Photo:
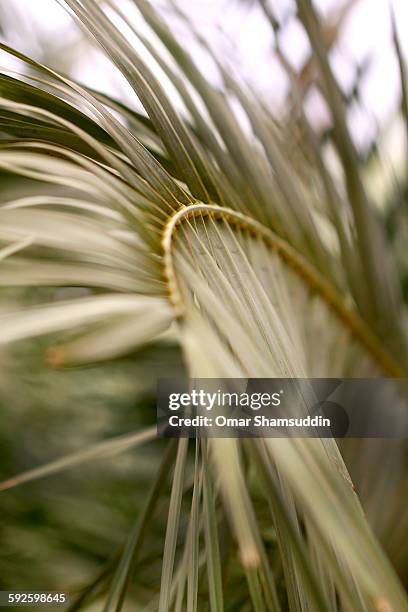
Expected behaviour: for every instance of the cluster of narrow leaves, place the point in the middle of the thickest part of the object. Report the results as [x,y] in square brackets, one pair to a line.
[185,224]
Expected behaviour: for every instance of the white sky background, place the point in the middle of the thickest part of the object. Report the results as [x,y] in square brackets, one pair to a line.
[239,29]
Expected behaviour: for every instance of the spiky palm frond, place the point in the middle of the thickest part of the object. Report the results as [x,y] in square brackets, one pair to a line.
[185,221]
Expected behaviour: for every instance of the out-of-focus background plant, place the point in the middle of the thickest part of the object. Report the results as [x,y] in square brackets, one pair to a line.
[294,119]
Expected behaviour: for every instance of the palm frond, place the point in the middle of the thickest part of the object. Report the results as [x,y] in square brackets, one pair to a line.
[186,221]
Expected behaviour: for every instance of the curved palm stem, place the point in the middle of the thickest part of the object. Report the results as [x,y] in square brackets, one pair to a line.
[291,258]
